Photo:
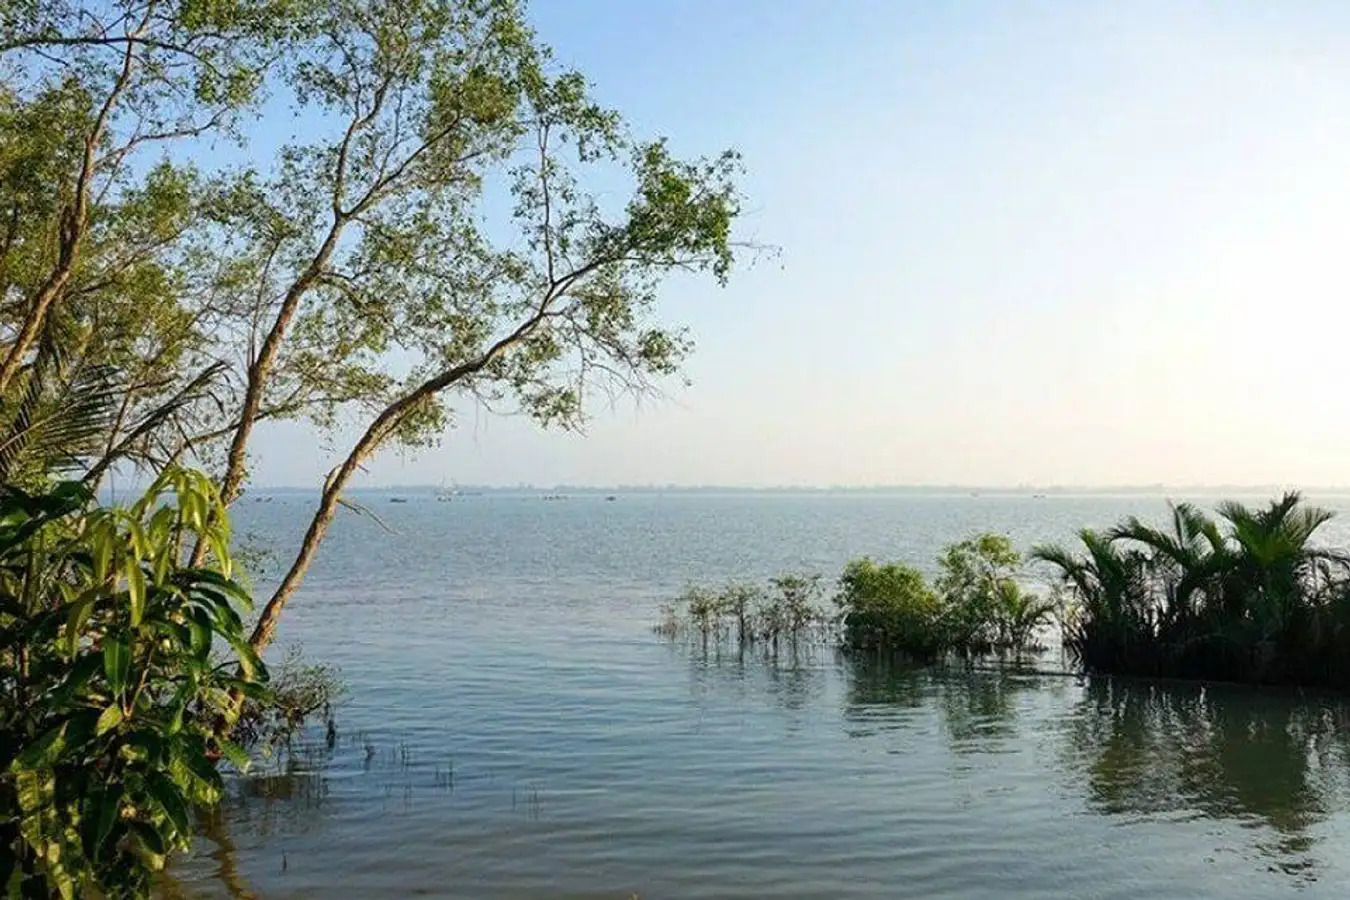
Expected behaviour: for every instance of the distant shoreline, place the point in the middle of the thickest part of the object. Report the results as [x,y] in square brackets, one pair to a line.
[908,490]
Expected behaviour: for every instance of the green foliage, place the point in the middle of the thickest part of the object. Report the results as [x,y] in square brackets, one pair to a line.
[976,605]
[785,611]
[116,662]
[984,606]
[1246,597]
[458,220]
[890,607]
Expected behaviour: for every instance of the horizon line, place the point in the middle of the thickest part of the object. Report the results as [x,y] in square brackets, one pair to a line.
[1158,487]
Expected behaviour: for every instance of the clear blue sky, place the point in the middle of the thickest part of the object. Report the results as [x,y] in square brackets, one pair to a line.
[1077,243]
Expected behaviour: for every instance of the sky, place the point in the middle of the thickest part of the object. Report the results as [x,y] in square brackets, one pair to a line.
[1021,243]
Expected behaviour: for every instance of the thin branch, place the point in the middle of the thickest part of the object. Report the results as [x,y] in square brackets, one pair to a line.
[544,167]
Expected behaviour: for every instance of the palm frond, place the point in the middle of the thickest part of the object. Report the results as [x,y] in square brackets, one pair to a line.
[60,419]
[154,420]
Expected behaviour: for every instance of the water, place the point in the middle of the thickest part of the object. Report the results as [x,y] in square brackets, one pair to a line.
[515,729]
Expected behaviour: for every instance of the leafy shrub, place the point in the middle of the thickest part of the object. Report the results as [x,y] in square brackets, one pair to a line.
[299,692]
[1244,597]
[111,687]
[984,606]
[790,610]
[978,605]
[889,607]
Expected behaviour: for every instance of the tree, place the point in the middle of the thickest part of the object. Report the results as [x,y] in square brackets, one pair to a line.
[444,231]
[89,87]
[977,580]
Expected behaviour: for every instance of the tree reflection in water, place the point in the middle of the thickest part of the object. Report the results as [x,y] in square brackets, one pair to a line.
[1272,761]
[284,798]
[1263,758]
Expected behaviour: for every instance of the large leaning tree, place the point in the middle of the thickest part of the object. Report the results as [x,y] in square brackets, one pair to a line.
[411,205]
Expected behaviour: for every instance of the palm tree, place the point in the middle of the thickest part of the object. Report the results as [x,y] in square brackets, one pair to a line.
[67,414]
[1184,560]
[1248,596]
[1109,585]
[1277,578]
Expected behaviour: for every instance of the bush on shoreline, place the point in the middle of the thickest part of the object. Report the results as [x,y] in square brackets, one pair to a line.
[118,662]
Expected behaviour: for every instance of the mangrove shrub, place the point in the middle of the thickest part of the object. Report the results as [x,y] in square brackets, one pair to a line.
[889,607]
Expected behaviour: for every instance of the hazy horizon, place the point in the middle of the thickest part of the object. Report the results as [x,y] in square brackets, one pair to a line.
[1047,489]
[1029,242]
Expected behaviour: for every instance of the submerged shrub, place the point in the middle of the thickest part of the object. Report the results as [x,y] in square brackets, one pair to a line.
[889,607]
[300,692]
[790,609]
[976,605]
[787,610]
[984,606]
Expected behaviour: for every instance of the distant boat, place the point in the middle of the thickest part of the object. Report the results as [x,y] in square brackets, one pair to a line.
[398,499]
[611,498]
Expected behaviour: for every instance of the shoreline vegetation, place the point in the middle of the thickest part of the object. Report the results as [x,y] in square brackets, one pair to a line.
[1244,596]
[976,606]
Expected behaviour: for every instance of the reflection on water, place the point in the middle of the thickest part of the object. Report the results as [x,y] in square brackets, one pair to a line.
[792,677]
[1251,781]
[1268,760]
[525,735]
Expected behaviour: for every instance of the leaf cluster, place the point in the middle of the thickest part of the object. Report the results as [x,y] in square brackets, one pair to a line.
[116,662]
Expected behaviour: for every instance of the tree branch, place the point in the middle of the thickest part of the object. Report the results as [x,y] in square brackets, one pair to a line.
[74,223]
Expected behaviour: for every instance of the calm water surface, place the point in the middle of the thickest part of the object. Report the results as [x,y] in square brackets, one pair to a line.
[515,729]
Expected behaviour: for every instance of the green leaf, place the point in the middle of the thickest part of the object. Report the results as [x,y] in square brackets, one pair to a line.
[201,767]
[136,591]
[221,551]
[65,886]
[181,698]
[147,743]
[149,844]
[32,788]
[250,664]
[170,798]
[116,664]
[105,808]
[199,626]
[102,542]
[139,545]
[109,719]
[44,751]
[75,621]
[237,756]
[162,561]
